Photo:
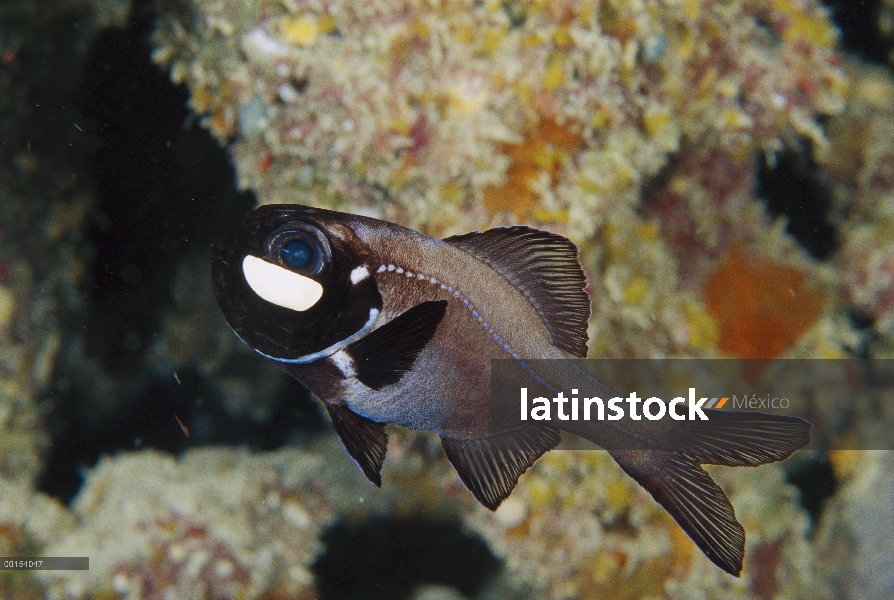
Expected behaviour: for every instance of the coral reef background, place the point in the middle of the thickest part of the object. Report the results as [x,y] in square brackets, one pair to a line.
[726,166]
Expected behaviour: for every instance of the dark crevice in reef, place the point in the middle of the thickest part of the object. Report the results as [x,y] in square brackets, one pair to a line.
[38,116]
[865,324]
[795,187]
[816,481]
[387,559]
[858,22]
[151,421]
[165,191]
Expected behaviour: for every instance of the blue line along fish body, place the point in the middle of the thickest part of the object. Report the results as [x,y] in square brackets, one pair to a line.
[388,326]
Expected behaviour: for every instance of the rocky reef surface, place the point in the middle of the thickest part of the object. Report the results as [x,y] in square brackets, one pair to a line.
[690,147]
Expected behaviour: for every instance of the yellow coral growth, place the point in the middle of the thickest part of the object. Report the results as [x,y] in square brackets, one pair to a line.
[703,329]
[303,31]
[655,120]
[543,150]
[555,74]
[844,461]
[635,292]
[816,30]
[300,32]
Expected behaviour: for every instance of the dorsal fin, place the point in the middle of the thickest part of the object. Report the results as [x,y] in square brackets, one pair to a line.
[545,267]
[490,466]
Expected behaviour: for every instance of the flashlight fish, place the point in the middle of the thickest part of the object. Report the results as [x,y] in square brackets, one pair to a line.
[388,326]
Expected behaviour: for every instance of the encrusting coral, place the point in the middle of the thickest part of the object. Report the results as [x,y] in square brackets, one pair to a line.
[215,524]
[634,127]
[44,211]
[854,536]
[28,522]
[224,523]
[861,167]
[454,116]
[451,115]
[577,529]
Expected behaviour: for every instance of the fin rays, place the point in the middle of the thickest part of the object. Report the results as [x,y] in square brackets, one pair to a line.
[743,439]
[675,478]
[490,466]
[545,268]
[695,502]
[365,441]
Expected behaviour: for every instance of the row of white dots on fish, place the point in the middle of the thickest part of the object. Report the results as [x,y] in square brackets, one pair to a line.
[457,295]
[486,326]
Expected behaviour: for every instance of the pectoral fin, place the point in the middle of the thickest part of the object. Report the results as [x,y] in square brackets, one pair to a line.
[490,466]
[364,440]
[384,356]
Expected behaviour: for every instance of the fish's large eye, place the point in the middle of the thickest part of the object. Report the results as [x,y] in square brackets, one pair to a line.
[299,247]
[298,254]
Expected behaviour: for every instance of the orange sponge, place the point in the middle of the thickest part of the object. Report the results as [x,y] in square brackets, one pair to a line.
[543,149]
[762,307]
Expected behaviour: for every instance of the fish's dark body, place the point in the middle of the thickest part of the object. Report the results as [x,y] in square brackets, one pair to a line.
[399,328]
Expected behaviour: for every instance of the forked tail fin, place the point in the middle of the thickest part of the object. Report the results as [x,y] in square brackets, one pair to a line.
[676,480]
[742,438]
[696,503]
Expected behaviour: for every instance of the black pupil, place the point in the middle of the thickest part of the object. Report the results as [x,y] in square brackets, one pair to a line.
[297,254]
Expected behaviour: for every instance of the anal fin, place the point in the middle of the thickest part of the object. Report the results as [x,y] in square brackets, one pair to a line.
[365,441]
[385,355]
[695,502]
[490,466]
